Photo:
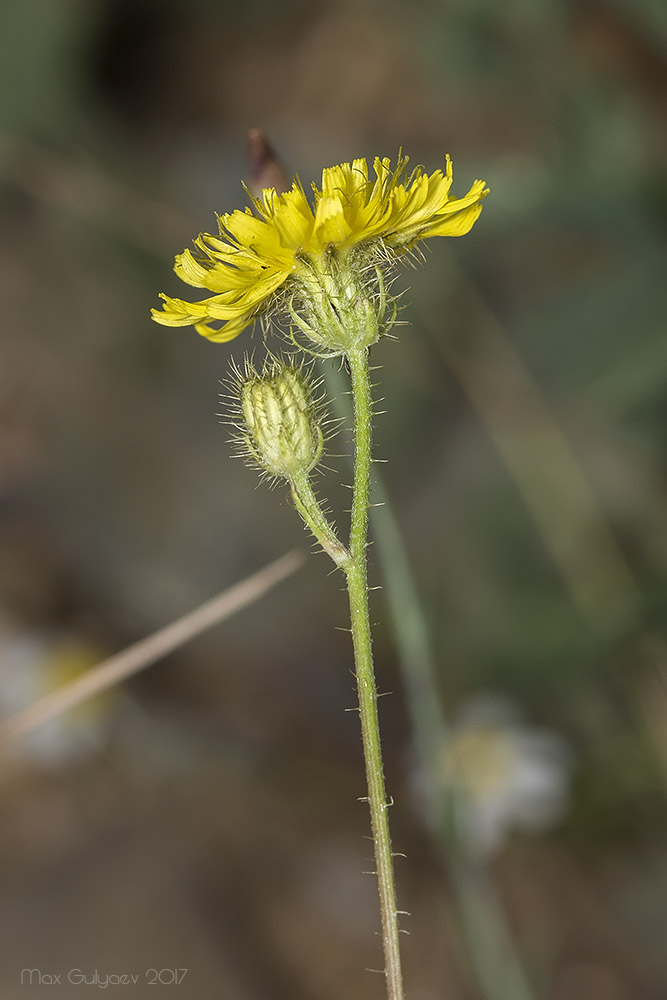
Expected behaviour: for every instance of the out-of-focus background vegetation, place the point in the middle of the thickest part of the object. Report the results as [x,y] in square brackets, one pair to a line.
[210,821]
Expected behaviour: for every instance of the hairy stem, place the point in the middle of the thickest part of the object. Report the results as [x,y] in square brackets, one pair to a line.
[308,506]
[357,585]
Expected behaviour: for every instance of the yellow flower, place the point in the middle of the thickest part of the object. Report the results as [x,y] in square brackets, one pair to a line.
[285,242]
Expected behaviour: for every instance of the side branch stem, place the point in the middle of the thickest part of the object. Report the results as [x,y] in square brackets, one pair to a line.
[357,585]
[309,507]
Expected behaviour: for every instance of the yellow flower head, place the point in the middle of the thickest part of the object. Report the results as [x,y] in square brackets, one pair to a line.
[283,242]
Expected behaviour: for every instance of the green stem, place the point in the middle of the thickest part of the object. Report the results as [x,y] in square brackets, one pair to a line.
[308,506]
[495,960]
[357,585]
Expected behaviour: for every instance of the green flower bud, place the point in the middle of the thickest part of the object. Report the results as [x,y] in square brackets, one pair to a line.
[283,434]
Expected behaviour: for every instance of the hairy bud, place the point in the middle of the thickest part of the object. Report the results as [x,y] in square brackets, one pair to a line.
[282,432]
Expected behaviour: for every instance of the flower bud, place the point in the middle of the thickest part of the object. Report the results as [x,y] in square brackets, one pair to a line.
[283,434]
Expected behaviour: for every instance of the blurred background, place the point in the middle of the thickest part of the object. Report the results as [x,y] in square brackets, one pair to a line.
[205,816]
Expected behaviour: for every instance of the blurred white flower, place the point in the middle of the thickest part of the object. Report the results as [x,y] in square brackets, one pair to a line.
[33,664]
[506,775]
